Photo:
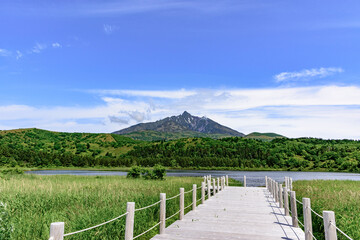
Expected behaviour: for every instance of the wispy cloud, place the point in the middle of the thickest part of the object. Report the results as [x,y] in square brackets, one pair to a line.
[18,54]
[306,74]
[56,45]
[38,48]
[109,29]
[5,53]
[293,111]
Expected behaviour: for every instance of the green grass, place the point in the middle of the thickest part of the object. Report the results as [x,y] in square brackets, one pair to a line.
[83,201]
[342,197]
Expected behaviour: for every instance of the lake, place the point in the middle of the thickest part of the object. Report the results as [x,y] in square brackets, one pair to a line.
[253,178]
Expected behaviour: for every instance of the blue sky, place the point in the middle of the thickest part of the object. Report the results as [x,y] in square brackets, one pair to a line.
[99,66]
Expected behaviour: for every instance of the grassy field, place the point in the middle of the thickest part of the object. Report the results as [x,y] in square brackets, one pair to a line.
[342,197]
[33,202]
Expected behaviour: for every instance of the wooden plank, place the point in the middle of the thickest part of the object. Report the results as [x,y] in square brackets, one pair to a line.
[235,213]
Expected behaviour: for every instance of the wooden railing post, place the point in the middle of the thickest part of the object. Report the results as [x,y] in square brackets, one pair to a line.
[202,193]
[276,192]
[129,226]
[244,181]
[194,197]
[329,225]
[214,191]
[205,178]
[291,187]
[57,230]
[286,182]
[294,214]
[272,188]
[307,218]
[281,204]
[266,182]
[181,203]
[286,201]
[162,212]
[210,178]
[208,189]
[218,184]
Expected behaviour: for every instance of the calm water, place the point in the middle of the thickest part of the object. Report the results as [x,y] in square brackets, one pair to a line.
[252,178]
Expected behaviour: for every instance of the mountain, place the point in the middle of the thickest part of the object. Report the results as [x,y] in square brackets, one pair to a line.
[184,125]
[264,136]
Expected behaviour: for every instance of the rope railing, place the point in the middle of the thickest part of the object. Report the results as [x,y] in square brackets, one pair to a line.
[173,197]
[347,236]
[57,229]
[101,224]
[188,191]
[151,205]
[147,230]
[278,193]
[172,215]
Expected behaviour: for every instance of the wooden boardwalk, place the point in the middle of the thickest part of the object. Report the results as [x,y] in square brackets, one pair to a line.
[235,213]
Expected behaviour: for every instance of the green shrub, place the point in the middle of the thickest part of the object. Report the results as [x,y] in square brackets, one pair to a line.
[159,172]
[135,172]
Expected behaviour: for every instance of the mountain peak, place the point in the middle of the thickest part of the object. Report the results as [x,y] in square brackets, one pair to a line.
[183,123]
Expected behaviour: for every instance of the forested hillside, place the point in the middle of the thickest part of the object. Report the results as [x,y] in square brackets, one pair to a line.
[35,148]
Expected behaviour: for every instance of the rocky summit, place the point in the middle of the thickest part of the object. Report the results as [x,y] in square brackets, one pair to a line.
[183,123]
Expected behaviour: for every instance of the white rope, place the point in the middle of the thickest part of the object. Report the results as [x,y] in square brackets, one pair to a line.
[198,200]
[299,222]
[316,213]
[188,191]
[341,231]
[172,215]
[198,187]
[148,206]
[173,197]
[147,230]
[188,206]
[312,235]
[299,201]
[86,229]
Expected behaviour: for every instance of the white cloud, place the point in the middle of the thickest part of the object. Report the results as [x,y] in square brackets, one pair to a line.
[171,94]
[322,111]
[4,53]
[109,29]
[38,48]
[307,73]
[18,54]
[56,45]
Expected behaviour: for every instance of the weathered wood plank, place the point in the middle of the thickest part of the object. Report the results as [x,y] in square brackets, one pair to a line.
[235,213]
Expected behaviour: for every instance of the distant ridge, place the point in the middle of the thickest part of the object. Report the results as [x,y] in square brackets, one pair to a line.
[184,125]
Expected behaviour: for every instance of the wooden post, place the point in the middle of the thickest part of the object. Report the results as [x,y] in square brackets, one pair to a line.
[129,227]
[276,195]
[281,204]
[286,201]
[218,184]
[162,212]
[214,191]
[204,178]
[194,197]
[227,180]
[244,181]
[202,193]
[307,218]
[291,187]
[181,203]
[266,182]
[208,189]
[329,225]
[286,183]
[294,214]
[57,230]
[210,178]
